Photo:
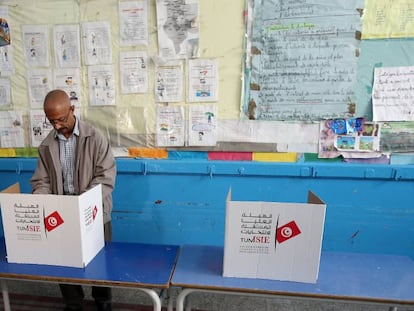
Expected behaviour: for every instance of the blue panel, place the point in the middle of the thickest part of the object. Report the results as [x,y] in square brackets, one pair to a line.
[183,201]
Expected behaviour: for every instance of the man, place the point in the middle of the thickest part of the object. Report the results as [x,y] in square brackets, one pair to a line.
[74,158]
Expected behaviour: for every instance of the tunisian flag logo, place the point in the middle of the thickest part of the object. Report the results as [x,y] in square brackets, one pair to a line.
[52,221]
[287,231]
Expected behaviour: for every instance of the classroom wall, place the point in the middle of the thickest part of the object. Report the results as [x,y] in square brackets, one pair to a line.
[183,202]
[221,36]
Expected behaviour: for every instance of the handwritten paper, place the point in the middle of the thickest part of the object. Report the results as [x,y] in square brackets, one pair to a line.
[388,19]
[68,79]
[393,94]
[303,60]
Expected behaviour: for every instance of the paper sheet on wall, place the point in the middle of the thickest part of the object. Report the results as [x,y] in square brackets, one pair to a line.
[178,29]
[202,80]
[66,44]
[97,46]
[11,129]
[134,72]
[170,126]
[39,84]
[133,23]
[68,79]
[101,79]
[5,93]
[303,61]
[6,61]
[36,45]
[202,125]
[388,19]
[169,83]
[39,127]
[393,94]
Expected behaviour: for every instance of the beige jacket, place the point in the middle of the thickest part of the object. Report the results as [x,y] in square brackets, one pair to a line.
[94,164]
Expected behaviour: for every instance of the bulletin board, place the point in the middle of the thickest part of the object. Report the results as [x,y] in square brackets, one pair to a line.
[259,58]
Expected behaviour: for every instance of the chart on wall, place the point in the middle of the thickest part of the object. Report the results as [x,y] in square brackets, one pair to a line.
[301,59]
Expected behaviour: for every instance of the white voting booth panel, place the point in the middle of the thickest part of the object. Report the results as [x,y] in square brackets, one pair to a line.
[270,240]
[51,229]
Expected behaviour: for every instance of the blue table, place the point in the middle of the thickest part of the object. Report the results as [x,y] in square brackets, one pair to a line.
[145,267]
[342,276]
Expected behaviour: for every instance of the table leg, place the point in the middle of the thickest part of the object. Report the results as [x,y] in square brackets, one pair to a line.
[181,298]
[156,301]
[5,292]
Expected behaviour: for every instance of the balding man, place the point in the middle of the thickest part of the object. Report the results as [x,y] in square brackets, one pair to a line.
[74,158]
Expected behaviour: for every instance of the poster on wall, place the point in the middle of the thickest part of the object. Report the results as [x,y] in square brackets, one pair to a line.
[97,46]
[66,44]
[39,127]
[301,60]
[392,94]
[202,125]
[169,82]
[5,93]
[134,71]
[178,28]
[39,83]
[170,126]
[6,61]
[68,79]
[202,80]
[133,23]
[101,79]
[11,129]
[36,45]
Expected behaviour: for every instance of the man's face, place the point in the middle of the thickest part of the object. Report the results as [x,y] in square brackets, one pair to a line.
[62,120]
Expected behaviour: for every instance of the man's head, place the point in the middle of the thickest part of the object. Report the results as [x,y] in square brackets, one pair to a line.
[59,112]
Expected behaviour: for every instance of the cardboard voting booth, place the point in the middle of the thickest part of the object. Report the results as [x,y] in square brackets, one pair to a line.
[270,240]
[51,229]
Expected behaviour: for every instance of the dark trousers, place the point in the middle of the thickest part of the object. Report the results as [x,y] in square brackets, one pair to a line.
[73,294]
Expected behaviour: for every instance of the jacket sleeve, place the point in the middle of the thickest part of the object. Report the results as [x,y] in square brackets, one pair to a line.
[105,168]
[40,180]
